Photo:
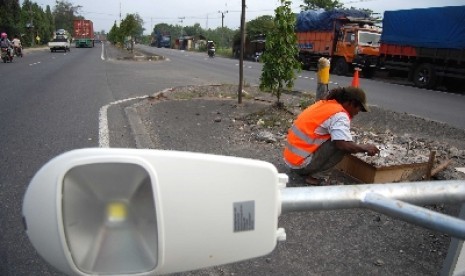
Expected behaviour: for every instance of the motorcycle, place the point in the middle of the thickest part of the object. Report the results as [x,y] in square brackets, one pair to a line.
[18,51]
[7,54]
[211,52]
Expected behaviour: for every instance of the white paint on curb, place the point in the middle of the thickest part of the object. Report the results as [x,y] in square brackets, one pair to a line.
[103,133]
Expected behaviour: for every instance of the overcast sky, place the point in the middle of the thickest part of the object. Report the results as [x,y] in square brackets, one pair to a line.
[207,12]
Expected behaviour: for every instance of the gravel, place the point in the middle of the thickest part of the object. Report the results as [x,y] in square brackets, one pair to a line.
[209,119]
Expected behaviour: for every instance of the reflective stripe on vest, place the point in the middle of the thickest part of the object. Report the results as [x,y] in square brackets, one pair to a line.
[302,141]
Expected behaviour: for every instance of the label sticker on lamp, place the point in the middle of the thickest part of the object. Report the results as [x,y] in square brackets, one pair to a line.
[244,216]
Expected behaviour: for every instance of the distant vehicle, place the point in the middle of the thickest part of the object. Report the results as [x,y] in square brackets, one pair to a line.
[211,48]
[162,40]
[349,38]
[83,33]
[253,48]
[60,41]
[426,44]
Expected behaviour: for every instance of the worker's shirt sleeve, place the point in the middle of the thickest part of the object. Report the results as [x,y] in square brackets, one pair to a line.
[338,126]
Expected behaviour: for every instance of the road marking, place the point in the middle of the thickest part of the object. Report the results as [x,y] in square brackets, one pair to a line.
[103,133]
[101,55]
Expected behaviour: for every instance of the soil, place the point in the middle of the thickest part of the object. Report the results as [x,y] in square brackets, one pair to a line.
[209,119]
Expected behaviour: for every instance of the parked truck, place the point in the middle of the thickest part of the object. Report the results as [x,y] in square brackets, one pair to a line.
[60,41]
[349,38]
[254,47]
[83,34]
[428,45]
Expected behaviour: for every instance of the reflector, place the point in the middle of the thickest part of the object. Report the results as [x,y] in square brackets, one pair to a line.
[109,218]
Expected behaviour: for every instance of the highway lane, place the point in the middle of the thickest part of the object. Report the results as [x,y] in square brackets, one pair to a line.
[49,104]
[431,104]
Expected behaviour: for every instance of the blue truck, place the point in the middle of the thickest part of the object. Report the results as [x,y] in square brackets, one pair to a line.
[162,40]
[427,45]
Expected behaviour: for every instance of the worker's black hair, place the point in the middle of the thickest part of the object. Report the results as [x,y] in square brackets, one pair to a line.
[339,94]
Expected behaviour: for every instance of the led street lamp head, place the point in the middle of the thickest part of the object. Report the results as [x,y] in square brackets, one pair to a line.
[145,212]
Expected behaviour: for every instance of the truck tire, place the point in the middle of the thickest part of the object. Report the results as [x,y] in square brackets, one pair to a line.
[341,68]
[424,76]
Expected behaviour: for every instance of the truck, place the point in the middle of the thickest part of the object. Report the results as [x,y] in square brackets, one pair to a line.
[83,33]
[60,41]
[427,45]
[162,40]
[348,37]
[254,47]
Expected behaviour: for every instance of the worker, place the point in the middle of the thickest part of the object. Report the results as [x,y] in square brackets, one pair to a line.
[322,78]
[320,136]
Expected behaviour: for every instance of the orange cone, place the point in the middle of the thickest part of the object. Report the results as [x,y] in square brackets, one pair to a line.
[355,82]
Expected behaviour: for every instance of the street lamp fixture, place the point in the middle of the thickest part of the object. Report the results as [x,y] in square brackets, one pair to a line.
[108,211]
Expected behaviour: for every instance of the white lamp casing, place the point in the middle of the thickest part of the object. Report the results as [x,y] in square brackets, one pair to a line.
[195,197]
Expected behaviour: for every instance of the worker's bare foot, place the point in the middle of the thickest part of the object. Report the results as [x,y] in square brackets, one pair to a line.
[310,180]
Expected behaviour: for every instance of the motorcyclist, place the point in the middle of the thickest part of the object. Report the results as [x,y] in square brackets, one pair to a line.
[211,48]
[18,48]
[4,41]
[6,45]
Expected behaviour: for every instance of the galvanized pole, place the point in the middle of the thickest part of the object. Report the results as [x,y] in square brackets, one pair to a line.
[390,199]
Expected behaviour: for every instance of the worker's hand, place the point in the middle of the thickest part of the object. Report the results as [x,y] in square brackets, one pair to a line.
[371,149]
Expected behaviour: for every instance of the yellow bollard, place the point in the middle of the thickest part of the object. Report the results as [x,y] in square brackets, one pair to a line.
[322,78]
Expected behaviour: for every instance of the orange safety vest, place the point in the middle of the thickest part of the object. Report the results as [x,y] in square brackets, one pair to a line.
[302,141]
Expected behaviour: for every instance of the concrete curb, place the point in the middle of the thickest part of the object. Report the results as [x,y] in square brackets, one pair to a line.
[138,130]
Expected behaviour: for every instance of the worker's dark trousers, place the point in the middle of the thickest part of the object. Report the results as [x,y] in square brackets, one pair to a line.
[326,157]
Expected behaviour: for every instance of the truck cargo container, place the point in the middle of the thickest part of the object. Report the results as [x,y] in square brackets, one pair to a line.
[83,33]
[428,45]
[349,38]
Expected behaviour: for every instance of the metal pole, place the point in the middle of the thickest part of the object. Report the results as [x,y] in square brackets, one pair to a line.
[389,199]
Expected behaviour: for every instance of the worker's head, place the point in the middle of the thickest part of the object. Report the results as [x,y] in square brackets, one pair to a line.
[3,35]
[352,98]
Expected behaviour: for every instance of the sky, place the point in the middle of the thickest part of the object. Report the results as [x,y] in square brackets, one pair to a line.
[208,13]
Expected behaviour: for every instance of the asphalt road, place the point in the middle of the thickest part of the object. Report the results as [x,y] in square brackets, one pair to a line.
[51,103]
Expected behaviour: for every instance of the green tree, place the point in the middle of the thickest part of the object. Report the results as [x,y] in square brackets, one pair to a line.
[132,25]
[279,58]
[10,14]
[260,25]
[321,4]
[114,35]
[194,30]
[64,14]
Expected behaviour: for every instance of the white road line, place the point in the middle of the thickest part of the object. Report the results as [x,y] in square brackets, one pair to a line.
[101,55]
[103,133]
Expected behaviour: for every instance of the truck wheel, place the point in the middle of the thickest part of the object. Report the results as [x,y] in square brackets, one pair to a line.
[341,68]
[425,76]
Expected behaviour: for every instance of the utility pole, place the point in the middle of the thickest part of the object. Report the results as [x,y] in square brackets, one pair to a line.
[120,13]
[222,25]
[31,23]
[241,56]
[181,20]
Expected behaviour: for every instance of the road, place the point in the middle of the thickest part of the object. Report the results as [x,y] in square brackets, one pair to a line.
[51,103]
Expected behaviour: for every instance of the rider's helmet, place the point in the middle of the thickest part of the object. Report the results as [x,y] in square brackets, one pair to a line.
[3,35]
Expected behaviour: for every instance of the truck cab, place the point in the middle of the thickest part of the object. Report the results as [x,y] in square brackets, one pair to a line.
[349,38]
[356,46]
